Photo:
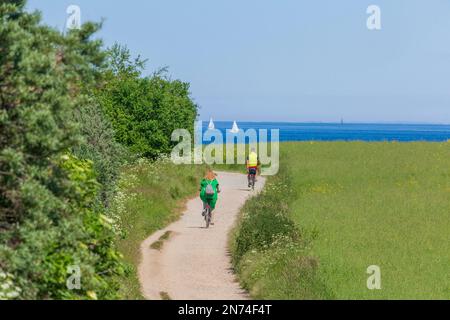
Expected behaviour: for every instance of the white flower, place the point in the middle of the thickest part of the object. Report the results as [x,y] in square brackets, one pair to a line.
[12,295]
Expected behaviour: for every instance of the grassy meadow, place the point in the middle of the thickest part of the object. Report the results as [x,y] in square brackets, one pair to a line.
[354,204]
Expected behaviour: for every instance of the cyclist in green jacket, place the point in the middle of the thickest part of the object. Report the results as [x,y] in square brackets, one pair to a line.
[209,190]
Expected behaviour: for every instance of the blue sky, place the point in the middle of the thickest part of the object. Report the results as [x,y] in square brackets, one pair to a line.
[289,60]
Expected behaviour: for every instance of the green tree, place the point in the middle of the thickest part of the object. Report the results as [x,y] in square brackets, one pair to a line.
[144,111]
[49,216]
[100,146]
[18,3]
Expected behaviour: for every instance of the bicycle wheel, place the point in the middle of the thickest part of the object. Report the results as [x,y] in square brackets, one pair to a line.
[208,217]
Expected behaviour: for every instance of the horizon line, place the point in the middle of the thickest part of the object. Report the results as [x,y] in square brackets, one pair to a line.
[332,122]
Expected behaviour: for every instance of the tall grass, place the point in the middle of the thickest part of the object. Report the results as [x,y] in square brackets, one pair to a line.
[385,204]
[354,205]
[270,253]
[151,195]
[237,160]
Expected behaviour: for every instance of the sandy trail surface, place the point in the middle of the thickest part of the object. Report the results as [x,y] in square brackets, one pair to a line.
[194,263]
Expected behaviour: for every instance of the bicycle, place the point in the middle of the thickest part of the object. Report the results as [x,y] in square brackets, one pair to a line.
[207,213]
[252,178]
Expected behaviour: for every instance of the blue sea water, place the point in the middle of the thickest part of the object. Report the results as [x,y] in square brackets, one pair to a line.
[346,132]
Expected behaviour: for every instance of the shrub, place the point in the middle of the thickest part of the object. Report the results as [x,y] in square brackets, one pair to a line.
[49,216]
[8,290]
[144,111]
[100,146]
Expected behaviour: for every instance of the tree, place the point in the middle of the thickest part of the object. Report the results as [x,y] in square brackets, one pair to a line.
[49,216]
[144,111]
[99,145]
[19,4]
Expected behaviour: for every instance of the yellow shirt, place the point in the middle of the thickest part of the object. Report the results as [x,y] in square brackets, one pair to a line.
[253,159]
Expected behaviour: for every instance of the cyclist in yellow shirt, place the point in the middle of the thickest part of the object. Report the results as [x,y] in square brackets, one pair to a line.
[252,165]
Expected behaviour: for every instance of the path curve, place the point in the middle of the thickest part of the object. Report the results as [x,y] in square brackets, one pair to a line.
[194,264]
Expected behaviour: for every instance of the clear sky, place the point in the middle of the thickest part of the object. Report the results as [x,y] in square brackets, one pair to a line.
[289,60]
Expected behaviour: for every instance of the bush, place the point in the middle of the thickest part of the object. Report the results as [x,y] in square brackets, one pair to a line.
[101,262]
[77,234]
[49,215]
[144,111]
[68,121]
[8,290]
[100,146]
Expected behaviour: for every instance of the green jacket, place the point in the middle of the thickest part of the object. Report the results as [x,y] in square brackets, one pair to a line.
[215,184]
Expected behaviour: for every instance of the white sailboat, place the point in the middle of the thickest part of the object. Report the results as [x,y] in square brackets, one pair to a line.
[235,128]
[211,125]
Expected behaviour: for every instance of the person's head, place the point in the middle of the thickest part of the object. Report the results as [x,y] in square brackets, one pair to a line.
[253,150]
[210,175]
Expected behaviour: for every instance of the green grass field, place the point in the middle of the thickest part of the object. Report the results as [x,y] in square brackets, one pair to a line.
[358,204]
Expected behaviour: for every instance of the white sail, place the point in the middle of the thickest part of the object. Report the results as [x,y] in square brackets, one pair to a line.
[211,125]
[235,128]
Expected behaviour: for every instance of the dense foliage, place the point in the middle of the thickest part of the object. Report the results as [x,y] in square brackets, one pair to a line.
[100,146]
[144,110]
[60,153]
[49,214]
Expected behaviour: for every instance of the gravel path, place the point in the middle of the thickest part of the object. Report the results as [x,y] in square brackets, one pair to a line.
[194,264]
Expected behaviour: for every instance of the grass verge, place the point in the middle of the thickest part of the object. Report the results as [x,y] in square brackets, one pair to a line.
[270,253]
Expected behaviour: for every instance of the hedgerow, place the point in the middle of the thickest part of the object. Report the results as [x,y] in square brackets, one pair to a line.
[144,111]
[50,216]
[71,116]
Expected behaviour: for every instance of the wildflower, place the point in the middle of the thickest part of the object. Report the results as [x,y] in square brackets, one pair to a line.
[12,295]
[92,295]
[106,219]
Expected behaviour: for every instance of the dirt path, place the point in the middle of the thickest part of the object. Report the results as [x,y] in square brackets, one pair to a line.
[194,263]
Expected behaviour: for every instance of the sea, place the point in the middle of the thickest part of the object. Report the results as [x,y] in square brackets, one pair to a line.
[345,131]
